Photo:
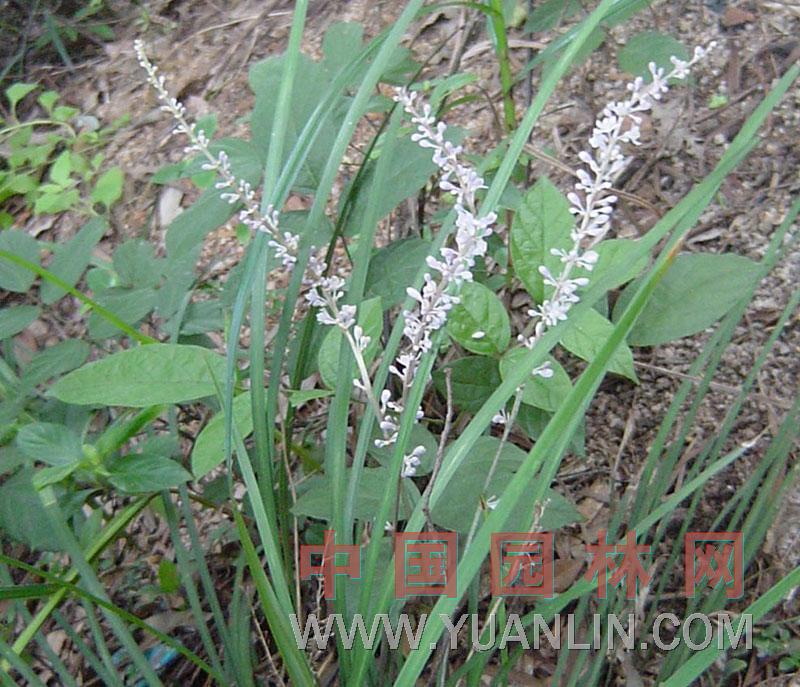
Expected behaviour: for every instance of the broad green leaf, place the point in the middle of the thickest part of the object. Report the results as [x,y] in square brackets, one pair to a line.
[647,47]
[63,113]
[54,474]
[61,169]
[139,473]
[17,91]
[49,443]
[71,259]
[543,222]
[48,99]
[479,322]
[144,376]
[547,394]
[15,318]
[473,379]
[209,447]
[190,227]
[613,258]
[136,265]
[370,317]
[410,170]
[22,515]
[245,162]
[129,305]
[108,188]
[265,77]
[315,502]
[393,269]
[55,199]
[13,277]
[456,507]
[20,184]
[696,291]
[179,276]
[587,334]
[209,211]
[54,361]
[10,457]
[341,44]
[201,317]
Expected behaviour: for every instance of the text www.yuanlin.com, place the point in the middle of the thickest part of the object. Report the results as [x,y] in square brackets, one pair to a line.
[696,631]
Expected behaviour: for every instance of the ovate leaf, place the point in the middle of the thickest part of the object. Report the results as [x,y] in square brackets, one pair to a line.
[209,448]
[614,258]
[129,305]
[108,189]
[587,334]
[54,361]
[467,489]
[144,376]
[472,379]
[15,318]
[140,473]
[12,276]
[647,47]
[72,258]
[341,44]
[22,515]
[61,169]
[317,502]
[17,91]
[696,291]
[49,443]
[542,222]
[265,77]
[394,268]
[479,322]
[136,264]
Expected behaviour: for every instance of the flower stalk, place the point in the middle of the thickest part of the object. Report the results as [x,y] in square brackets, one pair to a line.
[592,202]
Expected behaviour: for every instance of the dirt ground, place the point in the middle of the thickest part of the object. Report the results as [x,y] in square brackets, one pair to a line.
[205,49]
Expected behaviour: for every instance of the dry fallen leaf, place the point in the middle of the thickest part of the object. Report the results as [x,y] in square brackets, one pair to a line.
[736,16]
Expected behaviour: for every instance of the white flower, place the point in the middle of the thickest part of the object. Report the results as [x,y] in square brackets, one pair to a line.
[591,202]
[234,190]
[501,418]
[362,341]
[453,265]
[492,501]
[346,317]
[412,461]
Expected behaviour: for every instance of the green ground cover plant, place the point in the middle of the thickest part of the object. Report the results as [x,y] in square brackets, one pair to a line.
[91,431]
